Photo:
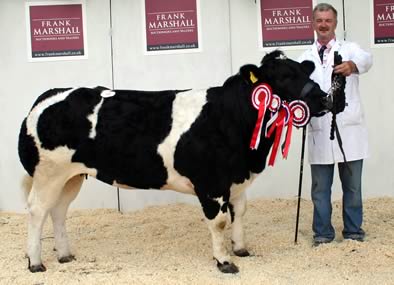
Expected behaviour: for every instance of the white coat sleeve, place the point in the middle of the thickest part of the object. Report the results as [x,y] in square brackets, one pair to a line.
[361,58]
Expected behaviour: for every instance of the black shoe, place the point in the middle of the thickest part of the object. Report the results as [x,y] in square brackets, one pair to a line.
[355,237]
[319,241]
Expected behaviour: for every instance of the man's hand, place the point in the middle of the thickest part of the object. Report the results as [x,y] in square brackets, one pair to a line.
[346,68]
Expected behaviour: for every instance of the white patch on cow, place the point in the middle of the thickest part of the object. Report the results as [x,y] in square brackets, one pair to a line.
[58,161]
[239,208]
[238,200]
[237,189]
[219,200]
[93,119]
[35,113]
[107,93]
[186,108]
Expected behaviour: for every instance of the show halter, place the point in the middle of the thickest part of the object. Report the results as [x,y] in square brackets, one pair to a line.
[283,115]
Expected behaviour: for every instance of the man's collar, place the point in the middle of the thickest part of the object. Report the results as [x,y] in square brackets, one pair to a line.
[330,44]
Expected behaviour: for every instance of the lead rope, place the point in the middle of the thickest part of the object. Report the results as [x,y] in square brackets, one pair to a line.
[336,87]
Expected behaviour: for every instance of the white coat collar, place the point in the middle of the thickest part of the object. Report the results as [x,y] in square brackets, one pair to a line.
[336,47]
[315,53]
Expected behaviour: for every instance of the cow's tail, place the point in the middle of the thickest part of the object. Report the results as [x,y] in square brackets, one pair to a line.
[27,183]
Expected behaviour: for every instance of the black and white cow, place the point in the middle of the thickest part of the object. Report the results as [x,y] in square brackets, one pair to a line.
[190,141]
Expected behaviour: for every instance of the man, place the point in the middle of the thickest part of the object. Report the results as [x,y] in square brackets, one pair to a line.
[323,152]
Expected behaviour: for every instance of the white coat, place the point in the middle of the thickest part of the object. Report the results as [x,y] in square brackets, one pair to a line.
[351,122]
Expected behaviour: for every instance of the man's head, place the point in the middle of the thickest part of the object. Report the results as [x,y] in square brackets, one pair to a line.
[324,22]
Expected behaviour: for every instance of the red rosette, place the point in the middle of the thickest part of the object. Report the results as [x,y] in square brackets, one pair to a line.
[261,92]
[301,113]
[286,107]
[261,99]
[276,102]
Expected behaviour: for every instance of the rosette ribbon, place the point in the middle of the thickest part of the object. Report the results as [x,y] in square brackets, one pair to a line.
[294,113]
[301,113]
[261,100]
[277,126]
[283,115]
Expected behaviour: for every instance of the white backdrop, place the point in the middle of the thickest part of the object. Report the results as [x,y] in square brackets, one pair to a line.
[229,37]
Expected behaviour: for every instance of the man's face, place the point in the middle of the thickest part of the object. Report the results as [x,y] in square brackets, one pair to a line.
[324,24]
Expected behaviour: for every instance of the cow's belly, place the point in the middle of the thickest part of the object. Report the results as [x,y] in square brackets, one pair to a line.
[179,183]
[175,182]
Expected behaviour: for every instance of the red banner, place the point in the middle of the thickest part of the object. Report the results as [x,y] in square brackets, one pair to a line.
[56,30]
[171,25]
[383,22]
[286,23]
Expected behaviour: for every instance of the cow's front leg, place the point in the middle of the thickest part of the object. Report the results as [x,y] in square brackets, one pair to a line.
[217,216]
[238,204]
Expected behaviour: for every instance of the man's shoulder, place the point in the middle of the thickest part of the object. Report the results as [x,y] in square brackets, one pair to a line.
[348,44]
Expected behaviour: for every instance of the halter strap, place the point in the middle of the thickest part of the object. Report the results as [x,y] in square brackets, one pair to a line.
[307,88]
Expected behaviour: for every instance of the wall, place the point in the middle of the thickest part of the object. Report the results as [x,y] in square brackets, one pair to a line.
[229,30]
[378,102]
[22,82]
[134,70]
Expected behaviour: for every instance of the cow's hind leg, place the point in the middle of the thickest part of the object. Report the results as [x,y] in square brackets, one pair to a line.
[217,217]
[238,204]
[42,197]
[58,215]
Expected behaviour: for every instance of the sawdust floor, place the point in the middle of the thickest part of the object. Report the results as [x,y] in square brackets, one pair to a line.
[171,245]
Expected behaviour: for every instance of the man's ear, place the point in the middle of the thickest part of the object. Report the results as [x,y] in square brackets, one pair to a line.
[308,67]
[250,73]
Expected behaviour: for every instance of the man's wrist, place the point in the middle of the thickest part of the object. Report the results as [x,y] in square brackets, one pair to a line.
[354,67]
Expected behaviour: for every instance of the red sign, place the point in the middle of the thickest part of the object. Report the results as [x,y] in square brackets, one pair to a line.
[171,25]
[286,23]
[383,15]
[56,30]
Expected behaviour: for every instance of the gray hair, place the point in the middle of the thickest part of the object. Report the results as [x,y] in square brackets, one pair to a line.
[325,7]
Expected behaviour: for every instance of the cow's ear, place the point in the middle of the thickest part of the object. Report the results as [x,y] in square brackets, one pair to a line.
[250,73]
[308,66]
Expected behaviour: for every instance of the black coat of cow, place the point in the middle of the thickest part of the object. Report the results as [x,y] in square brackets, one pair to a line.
[191,141]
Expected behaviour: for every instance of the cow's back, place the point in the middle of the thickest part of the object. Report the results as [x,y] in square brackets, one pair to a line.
[116,133]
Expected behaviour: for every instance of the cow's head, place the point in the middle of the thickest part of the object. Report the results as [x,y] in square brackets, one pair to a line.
[289,80]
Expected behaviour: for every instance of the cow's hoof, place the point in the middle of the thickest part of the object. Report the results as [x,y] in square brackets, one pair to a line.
[228,267]
[242,252]
[66,259]
[37,268]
